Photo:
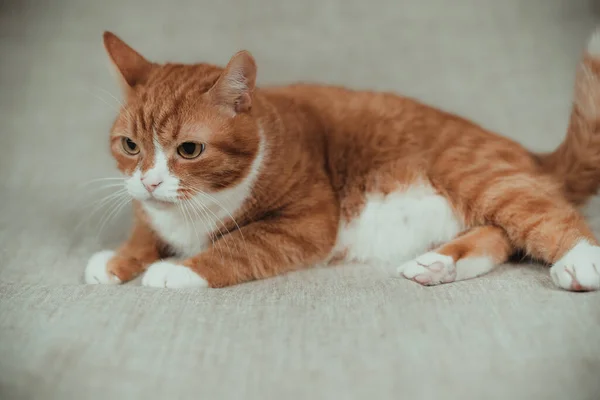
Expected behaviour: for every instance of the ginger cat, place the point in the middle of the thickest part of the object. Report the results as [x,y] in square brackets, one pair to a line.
[241,183]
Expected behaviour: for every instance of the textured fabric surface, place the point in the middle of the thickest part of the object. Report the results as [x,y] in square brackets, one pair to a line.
[349,332]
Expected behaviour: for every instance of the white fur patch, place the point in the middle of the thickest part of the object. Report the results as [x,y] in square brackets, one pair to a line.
[96,272]
[430,269]
[471,267]
[579,269]
[433,268]
[398,227]
[591,211]
[166,274]
[593,47]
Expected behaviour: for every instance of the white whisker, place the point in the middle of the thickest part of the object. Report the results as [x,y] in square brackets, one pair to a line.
[207,225]
[87,183]
[118,101]
[98,189]
[99,204]
[123,201]
[104,101]
[191,218]
[216,202]
[218,219]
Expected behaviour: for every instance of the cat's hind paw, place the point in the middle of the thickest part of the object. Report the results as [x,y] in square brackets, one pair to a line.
[579,269]
[429,269]
[96,271]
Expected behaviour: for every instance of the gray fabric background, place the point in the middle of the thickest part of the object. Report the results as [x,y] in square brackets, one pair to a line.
[349,332]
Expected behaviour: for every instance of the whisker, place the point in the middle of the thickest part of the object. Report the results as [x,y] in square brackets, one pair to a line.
[104,199]
[191,221]
[106,178]
[197,191]
[98,189]
[119,206]
[118,101]
[207,225]
[98,204]
[215,201]
[183,214]
[218,221]
[92,181]
[103,100]
[193,209]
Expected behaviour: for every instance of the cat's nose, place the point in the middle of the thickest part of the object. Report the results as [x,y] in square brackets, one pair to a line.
[151,185]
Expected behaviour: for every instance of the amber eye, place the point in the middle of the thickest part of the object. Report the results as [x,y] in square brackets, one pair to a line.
[190,150]
[129,146]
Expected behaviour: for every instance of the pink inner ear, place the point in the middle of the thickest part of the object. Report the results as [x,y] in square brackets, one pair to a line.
[243,103]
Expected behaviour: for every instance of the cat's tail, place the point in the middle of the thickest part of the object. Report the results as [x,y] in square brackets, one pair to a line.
[576,162]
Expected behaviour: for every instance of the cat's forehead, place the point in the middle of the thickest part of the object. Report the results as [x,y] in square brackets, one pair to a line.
[171,102]
[179,79]
[166,127]
[168,120]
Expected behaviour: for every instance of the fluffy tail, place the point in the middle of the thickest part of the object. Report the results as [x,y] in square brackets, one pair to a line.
[576,162]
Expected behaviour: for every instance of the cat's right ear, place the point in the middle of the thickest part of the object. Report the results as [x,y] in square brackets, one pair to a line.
[131,68]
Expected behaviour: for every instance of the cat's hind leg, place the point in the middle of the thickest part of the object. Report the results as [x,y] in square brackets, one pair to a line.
[473,253]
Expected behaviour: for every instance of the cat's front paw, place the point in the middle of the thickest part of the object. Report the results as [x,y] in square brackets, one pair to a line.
[579,269]
[96,271]
[166,274]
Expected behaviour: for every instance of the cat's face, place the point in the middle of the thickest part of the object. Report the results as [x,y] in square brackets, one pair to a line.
[185,130]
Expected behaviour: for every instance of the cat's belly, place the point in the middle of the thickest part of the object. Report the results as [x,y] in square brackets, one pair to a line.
[397,227]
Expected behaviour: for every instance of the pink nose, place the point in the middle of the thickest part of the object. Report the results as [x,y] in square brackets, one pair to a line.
[151,186]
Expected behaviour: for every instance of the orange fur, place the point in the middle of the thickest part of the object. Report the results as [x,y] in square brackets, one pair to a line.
[326,149]
[576,163]
[487,240]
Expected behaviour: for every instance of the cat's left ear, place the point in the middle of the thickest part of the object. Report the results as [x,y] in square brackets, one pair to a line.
[236,84]
[132,68]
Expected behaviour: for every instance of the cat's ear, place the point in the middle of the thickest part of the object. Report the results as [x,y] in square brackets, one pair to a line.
[130,66]
[235,86]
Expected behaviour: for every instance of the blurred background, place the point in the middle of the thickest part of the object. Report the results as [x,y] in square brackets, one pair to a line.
[508,65]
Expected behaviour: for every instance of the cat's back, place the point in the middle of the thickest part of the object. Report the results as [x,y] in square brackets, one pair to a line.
[339,103]
[387,118]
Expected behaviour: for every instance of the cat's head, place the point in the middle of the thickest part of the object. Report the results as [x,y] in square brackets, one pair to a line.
[184,130]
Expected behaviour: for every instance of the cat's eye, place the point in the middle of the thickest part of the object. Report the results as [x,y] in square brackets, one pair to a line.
[190,150]
[129,146]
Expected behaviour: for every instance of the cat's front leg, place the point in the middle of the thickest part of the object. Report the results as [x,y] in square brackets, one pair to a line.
[259,250]
[128,261]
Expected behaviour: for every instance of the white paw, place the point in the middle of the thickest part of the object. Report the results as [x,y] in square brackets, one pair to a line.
[96,271]
[430,269]
[579,269]
[166,274]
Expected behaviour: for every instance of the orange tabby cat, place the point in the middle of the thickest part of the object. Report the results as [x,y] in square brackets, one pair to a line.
[241,183]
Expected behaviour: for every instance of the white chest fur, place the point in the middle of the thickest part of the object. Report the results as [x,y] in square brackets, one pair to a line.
[186,231]
[395,228]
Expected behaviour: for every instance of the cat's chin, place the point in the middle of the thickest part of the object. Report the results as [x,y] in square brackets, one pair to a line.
[157,203]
